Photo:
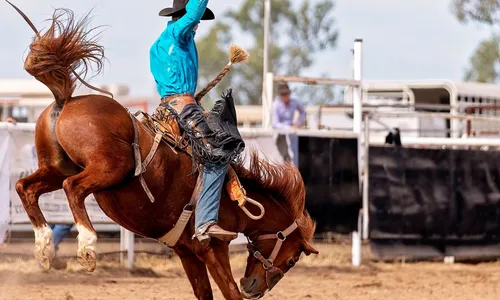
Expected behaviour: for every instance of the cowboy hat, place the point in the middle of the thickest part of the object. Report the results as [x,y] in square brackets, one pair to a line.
[179,9]
[283,88]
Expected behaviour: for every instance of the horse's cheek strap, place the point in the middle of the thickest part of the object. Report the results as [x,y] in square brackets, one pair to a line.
[276,250]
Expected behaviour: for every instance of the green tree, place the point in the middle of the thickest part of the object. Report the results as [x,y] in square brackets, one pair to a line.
[485,59]
[298,33]
[483,11]
[484,62]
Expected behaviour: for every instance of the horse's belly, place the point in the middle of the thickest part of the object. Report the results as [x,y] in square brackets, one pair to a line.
[129,206]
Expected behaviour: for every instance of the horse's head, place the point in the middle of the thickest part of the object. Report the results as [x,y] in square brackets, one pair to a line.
[272,255]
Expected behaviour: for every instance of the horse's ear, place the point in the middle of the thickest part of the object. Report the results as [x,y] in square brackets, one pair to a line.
[308,249]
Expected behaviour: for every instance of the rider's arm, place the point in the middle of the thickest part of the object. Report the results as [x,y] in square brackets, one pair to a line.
[194,12]
[302,114]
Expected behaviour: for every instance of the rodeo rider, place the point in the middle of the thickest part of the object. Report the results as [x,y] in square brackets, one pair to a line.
[174,66]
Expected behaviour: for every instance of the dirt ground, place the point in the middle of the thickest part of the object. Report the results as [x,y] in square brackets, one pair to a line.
[327,276]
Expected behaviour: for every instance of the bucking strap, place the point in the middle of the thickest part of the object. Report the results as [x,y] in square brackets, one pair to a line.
[173,236]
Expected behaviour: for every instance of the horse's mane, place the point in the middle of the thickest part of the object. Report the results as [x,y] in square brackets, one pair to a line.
[283,183]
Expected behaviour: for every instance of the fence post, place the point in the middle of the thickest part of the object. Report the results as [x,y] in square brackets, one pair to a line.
[267,100]
[356,243]
[126,244]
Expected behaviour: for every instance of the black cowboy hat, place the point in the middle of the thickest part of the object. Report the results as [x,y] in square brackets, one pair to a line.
[179,9]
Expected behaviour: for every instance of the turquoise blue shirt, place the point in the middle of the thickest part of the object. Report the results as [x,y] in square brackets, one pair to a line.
[174,57]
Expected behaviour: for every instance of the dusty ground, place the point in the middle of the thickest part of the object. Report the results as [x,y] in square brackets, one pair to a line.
[327,276]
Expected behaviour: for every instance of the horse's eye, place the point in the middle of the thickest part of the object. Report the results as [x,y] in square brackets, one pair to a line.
[291,263]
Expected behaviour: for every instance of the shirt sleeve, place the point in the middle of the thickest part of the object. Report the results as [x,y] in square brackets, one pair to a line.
[302,114]
[276,118]
[194,12]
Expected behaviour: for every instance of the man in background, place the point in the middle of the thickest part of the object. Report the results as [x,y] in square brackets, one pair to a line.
[284,108]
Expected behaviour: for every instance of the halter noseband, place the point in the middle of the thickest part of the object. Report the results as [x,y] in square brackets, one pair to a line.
[268,264]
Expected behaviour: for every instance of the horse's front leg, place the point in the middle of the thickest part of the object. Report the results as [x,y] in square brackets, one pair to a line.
[46,179]
[196,271]
[94,178]
[216,257]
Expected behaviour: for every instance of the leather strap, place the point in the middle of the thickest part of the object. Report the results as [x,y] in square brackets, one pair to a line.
[172,236]
[265,262]
[273,274]
[152,152]
[140,167]
[146,189]
[280,234]
[137,151]
[280,237]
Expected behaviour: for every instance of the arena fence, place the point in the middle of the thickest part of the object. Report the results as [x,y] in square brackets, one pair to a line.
[430,197]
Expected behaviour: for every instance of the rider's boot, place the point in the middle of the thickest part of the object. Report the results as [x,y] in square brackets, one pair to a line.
[205,233]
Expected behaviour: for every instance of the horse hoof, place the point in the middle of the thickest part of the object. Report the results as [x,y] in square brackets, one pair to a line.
[44,249]
[44,256]
[86,256]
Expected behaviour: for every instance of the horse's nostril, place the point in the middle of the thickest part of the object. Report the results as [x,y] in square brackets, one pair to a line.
[247,284]
[253,283]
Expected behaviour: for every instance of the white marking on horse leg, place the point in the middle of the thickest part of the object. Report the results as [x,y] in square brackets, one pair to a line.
[87,241]
[44,246]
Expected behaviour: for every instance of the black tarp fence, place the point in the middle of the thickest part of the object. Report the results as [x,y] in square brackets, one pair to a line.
[329,168]
[428,202]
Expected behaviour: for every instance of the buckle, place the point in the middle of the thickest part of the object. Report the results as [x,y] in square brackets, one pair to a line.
[266,263]
[280,236]
[271,266]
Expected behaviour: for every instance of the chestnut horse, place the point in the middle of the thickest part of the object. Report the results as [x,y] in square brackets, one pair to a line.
[84,145]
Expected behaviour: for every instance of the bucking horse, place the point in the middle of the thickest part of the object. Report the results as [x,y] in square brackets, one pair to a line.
[91,144]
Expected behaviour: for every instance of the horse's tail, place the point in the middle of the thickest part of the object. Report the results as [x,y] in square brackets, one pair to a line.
[65,47]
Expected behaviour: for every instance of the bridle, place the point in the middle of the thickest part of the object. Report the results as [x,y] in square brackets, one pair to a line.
[268,264]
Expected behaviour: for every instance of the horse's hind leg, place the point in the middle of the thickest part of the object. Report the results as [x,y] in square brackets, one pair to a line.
[45,180]
[196,272]
[94,178]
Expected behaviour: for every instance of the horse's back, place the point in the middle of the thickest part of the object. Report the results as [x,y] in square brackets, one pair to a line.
[101,114]
[94,127]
